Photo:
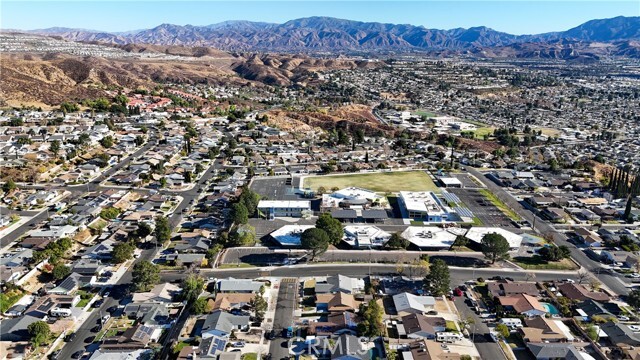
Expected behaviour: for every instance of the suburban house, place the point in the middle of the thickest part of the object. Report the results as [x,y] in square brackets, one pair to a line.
[523,304]
[220,323]
[508,288]
[409,303]
[540,329]
[340,283]
[578,292]
[418,326]
[336,302]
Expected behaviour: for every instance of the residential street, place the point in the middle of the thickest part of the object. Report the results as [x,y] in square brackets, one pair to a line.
[285,306]
[479,332]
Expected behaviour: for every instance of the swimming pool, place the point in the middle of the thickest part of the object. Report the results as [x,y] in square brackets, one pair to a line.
[550,308]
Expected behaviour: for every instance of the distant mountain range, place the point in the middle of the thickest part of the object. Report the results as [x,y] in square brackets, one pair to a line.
[324,34]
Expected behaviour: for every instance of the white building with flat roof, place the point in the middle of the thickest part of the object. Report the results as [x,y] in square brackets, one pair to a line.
[429,237]
[476,234]
[422,205]
[283,208]
[365,236]
[450,182]
[351,196]
[289,235]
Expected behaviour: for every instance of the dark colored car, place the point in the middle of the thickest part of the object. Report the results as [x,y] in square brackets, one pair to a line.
[70,337]
[271,335]
[55,355]
[78,354]
[97,303]
[96,328]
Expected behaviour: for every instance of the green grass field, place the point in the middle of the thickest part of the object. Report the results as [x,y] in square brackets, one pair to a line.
[537,263]
[482,131]
[379,182]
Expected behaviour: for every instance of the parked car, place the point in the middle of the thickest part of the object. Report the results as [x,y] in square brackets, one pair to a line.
[55,355]
[78,354]
[238,344]
[623,318]
[70,337]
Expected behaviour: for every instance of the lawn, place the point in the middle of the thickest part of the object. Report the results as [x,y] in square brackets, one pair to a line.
[482,131]
[451,326]
[500,205]
[380,182]
[537,263]
[250,356]
[7,299]
[233,266]
[425,113]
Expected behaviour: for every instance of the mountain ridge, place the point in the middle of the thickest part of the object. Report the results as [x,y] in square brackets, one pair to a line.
[318,33]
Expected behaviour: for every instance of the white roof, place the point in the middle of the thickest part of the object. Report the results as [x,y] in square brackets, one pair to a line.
[356,193]
[450,181]
[477,233]
[284,204]
[429,236]
[289,235]
[564,329]
[58,232]
[405,301]
[422,201]
[365,235]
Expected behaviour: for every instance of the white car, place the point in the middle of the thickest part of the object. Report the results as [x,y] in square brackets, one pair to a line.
[623,318]
[634,275]
[634,327]
[238,344]
[570,281]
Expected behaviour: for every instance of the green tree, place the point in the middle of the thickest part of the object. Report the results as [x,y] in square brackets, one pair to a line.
[145,275]
[332,226]
[9,186]
[60,271]
[40,333]
[191,286]
[371,324]
[503,330]
[592,332]
[250,200]
[633,298]
[201,306]
[396,241]
[239,213]
[143,230]
[54,147]
[106,141]
[122,252]
[316,240]
[554,253]
[437,281]
[461,241]
[627,209]
[109,213]
[163,229]
[121,100]
[187,176]
[242,235]
[260,307]
[495,247]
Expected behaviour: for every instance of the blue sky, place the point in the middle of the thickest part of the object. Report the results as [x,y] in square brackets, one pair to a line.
[516,17]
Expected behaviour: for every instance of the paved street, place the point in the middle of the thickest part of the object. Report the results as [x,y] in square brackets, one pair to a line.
[479,332]
[286,304]
[614,282]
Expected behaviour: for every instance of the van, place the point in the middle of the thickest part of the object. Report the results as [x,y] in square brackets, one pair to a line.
[60,312]
[448,337]
[511,322]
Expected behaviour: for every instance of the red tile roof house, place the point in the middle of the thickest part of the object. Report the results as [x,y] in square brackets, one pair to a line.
[578,292]
[522,304]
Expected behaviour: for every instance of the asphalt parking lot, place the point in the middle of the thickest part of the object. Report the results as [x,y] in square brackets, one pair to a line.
[275,188]
[482,208]
[467,181]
